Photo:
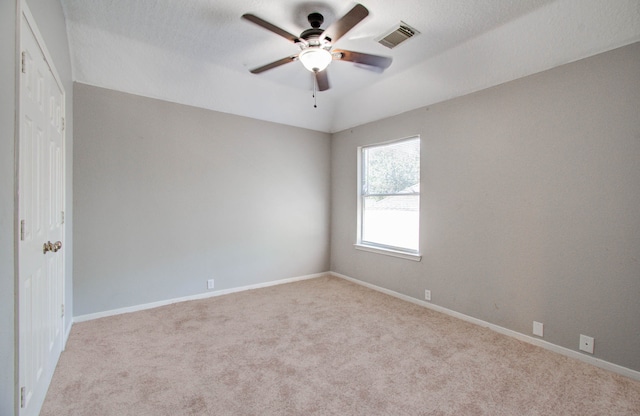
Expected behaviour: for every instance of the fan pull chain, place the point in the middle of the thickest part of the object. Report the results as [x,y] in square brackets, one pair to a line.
[315,99]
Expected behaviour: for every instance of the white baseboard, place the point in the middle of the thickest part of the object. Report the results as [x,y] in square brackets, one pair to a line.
[627,372]
[136,308]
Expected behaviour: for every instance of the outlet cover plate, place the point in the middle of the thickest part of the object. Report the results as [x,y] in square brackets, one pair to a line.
[427,295]
[538,329]
[210,284]
[586,344]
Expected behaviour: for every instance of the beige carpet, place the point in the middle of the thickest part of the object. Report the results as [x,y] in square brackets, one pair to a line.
[318,347]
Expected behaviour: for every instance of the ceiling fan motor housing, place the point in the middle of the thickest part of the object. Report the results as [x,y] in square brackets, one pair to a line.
[312,35]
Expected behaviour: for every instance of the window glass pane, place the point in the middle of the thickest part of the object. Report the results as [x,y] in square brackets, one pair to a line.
[392,168]
[390,197]
[391,221]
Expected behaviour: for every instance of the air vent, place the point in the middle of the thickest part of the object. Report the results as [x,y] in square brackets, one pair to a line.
[398,34]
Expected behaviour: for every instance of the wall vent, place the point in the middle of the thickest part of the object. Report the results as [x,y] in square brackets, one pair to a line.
[398,34]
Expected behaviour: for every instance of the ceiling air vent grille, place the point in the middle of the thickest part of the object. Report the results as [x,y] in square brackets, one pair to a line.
[398,34]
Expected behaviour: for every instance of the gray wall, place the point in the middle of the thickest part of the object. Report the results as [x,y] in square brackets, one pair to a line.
[530,205]
[168,196]
[50,20]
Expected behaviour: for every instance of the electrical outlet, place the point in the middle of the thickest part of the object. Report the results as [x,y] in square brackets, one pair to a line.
[538,328]
[586,344]
[427,294]
[210,284]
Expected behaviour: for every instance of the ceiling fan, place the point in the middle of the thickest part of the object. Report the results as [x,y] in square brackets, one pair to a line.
[316,44]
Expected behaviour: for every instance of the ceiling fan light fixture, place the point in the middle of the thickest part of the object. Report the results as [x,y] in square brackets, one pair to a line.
[315,59]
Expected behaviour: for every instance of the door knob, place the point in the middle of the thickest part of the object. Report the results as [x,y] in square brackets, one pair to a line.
[49,246]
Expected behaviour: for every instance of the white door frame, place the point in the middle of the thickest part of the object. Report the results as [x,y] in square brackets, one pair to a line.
[24,11]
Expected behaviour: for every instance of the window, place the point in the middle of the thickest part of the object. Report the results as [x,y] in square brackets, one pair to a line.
[389,198]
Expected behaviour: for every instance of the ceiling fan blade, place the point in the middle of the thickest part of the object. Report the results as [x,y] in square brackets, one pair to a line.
[381,62]
[274,64]
[338,28]
[323,80]
[271,27]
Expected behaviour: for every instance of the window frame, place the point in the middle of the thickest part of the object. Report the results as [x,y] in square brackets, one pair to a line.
[373,247]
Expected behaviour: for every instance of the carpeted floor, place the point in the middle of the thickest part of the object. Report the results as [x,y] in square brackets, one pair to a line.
[318,347]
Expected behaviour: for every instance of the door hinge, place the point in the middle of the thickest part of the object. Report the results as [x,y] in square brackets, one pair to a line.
[24,62]
[22,230]
[61,217]
[62,310]
[22,397]
[63,124]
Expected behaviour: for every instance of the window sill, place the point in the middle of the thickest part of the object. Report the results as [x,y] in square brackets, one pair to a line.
[388,252]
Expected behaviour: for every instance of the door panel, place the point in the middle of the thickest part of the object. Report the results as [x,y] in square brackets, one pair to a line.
[41,204]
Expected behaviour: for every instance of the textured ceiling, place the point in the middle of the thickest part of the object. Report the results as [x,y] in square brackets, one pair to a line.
[199,52]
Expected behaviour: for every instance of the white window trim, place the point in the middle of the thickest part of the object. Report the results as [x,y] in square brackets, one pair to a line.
[388,252]
[360,245]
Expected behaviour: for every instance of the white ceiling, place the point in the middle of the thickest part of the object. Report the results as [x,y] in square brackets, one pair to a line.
[199,52]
